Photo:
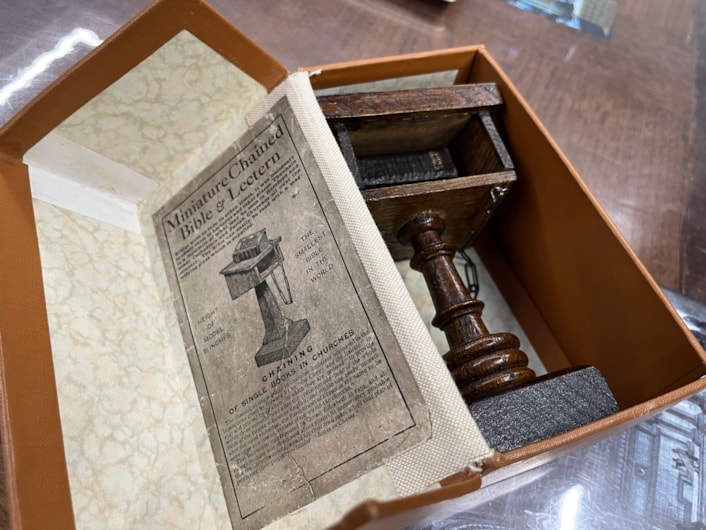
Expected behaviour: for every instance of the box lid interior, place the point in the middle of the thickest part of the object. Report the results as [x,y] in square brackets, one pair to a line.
[38,487]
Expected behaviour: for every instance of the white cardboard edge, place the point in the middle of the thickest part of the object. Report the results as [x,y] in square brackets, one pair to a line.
[68,194]
[71,176]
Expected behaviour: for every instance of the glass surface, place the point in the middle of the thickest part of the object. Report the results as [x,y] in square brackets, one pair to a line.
[650,476]
[40,40]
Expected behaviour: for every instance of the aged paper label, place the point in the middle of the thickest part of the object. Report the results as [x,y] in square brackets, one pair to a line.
[301,381]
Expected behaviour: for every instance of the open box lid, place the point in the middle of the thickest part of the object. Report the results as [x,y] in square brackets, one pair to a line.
[33,449]
[37,484]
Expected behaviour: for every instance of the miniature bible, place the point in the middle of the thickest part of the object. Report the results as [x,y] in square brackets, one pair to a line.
[431,162]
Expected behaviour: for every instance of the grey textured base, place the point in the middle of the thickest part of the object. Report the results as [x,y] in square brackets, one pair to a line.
[543,409]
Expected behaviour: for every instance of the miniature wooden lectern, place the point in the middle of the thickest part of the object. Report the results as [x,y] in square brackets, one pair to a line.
[439,148]
[431,162]
[256,258]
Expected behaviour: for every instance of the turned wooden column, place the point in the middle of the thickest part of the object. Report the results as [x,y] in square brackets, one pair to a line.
[482,364]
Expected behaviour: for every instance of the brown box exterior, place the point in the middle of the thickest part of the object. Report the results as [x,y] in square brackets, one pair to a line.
[573,283]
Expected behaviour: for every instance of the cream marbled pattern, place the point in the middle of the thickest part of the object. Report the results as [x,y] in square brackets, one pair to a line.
[136,447]
[182,103]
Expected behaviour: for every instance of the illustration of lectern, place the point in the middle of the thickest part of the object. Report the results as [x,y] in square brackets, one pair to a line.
[254,259]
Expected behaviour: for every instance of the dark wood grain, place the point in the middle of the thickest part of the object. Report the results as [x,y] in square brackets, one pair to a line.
[401,103]
[401,121]
[472,195]
[400,125]
[482,364]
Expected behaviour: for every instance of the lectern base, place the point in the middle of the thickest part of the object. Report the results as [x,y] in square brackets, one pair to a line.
[282,347]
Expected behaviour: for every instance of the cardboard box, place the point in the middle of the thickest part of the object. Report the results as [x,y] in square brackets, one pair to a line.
[579,292]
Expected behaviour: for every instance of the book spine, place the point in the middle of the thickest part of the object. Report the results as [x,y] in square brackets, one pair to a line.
[405,168]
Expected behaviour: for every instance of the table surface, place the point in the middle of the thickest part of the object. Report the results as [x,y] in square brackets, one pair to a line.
[628,110]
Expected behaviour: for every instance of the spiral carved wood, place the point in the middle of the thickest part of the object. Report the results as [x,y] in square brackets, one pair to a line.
[482,364]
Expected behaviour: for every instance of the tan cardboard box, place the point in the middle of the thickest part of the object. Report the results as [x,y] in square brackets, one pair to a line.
[578,290]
